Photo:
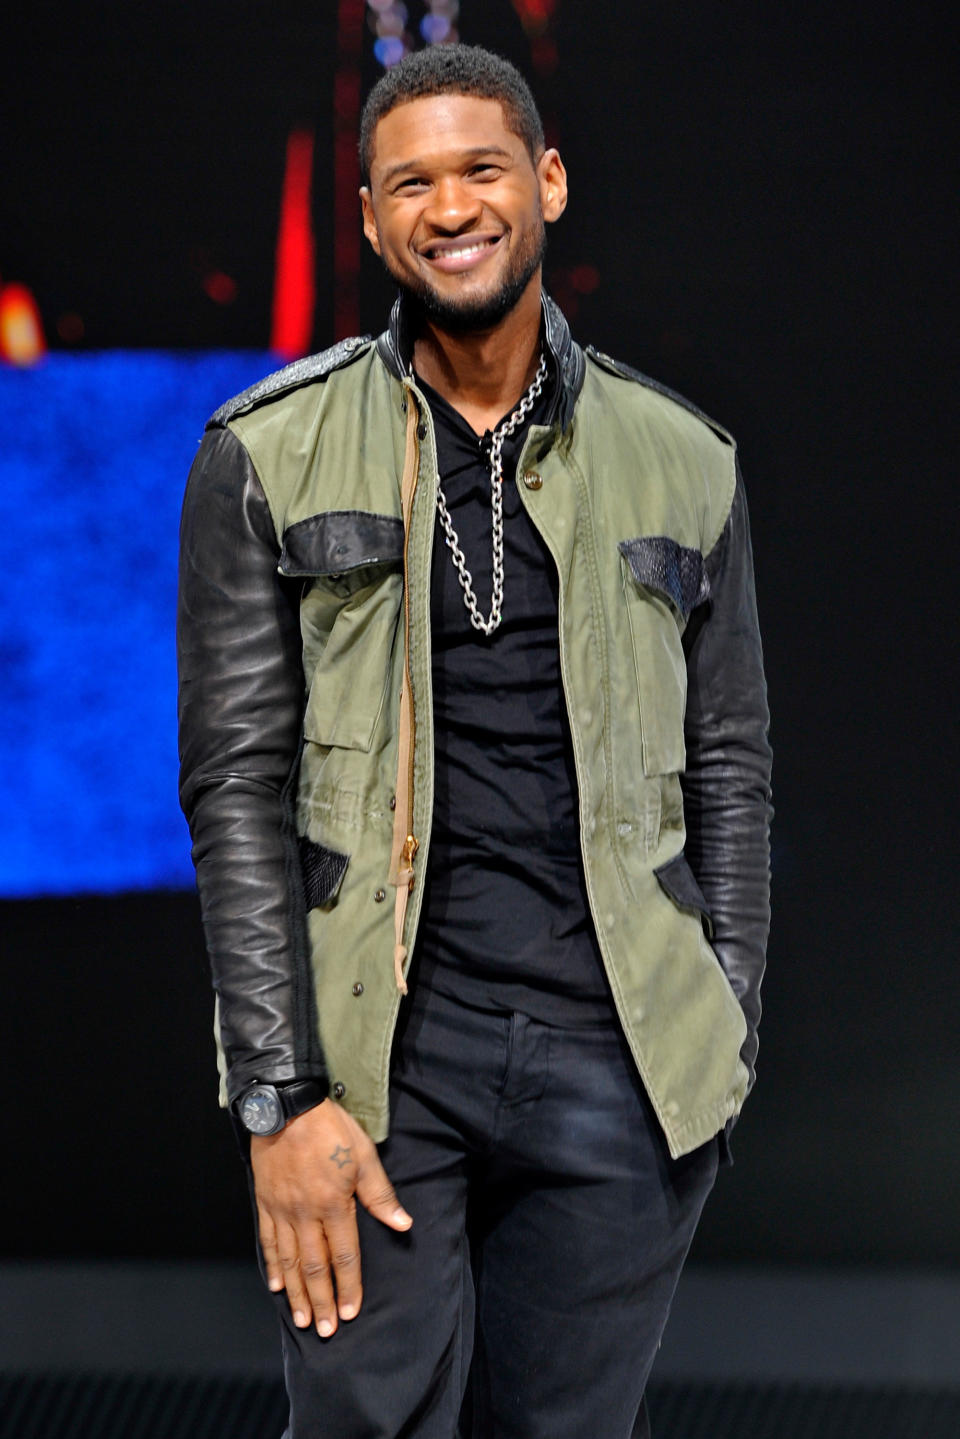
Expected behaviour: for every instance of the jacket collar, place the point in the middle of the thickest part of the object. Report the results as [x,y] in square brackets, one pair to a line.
[395,347]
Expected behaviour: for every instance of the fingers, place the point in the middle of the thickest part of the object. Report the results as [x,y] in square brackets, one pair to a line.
[343,1243]
[306,1277]
[311,1262]
[377,1194]
[315,1280]
[268,1247]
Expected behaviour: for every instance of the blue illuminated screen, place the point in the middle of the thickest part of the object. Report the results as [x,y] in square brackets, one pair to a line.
[94,452]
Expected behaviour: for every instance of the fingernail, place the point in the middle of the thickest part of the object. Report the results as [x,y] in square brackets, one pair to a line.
[348,1311]
[300,1318]
[402,1217]
[275,1285]
[324,1328]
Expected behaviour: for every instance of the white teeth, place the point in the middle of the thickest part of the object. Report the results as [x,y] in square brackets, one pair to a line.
[462,253]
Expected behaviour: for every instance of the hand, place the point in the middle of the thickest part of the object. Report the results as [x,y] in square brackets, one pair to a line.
[306,1177]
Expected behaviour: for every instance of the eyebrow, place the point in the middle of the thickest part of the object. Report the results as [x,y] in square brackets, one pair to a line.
[418,164]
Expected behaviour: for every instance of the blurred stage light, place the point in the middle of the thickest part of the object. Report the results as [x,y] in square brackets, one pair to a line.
[294,290]
[391,22]
[70,328]
[21,329]
[389,50]
[220,288]
[388,21]
[535,15]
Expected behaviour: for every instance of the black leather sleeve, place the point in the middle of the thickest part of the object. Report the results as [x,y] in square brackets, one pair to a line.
[727,781]
[240,711]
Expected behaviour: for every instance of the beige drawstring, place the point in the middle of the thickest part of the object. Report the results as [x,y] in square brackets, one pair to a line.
[405,843]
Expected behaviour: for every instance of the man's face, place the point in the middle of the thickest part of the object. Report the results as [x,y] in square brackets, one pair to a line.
[456,207]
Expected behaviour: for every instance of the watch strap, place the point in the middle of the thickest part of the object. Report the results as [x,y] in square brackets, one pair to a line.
[300,1095]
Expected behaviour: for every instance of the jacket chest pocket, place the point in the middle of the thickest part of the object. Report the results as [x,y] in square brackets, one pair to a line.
[349,614]
[662,582]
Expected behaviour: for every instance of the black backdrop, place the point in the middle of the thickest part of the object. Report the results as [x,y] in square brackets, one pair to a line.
[768,196]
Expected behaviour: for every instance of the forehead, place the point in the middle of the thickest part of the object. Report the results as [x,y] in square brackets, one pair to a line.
[435,127]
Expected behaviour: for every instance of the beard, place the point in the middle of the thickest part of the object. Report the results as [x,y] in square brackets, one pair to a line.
[475,313]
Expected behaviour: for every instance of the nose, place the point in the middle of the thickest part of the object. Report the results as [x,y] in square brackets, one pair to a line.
[452,207]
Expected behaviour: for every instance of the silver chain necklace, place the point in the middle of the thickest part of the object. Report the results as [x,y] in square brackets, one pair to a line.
[487,626]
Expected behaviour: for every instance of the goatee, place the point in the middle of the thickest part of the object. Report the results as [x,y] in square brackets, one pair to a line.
[472,314]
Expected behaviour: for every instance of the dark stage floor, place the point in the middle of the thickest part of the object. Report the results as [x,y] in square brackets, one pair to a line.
[159,1351]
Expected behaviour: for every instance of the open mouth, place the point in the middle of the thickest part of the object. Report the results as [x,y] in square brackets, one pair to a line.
[455,255]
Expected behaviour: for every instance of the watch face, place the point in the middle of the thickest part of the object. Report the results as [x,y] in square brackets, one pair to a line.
[260,1110]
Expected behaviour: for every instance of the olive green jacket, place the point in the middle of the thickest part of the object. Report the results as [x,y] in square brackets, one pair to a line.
[301,598]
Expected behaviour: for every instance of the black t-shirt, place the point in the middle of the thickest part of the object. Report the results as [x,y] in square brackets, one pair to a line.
[505,922]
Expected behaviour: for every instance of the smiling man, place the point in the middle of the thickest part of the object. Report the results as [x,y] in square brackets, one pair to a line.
[473,740]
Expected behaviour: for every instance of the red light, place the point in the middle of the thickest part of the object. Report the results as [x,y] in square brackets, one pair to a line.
[543,52]
[294,291]
[221,288]
[534,14]
[585,278]
[70,328]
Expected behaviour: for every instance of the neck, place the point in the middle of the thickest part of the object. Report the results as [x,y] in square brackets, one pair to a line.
[483,373]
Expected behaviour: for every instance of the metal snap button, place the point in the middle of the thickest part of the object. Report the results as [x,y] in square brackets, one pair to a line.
[421,432]
[532,480]
[339,1090]
[380,895]
[358,988]
[393,801]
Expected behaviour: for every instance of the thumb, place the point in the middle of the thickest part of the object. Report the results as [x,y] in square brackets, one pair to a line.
[377,1195]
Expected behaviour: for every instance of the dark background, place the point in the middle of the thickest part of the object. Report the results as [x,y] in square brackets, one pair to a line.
[768,198]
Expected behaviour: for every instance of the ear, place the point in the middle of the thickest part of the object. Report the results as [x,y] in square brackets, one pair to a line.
[369,220]
[552,179]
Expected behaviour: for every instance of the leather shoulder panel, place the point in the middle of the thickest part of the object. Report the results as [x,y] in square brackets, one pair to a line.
[300,372]
[627,372]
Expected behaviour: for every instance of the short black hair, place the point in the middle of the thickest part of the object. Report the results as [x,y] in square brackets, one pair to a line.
[457,70]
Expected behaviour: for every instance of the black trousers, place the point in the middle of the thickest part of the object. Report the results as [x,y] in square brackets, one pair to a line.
[550,1227]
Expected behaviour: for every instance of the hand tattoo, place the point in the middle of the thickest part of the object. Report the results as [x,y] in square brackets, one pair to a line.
[341,1156]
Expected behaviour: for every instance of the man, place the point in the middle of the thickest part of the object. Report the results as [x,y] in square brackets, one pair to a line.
[474,756]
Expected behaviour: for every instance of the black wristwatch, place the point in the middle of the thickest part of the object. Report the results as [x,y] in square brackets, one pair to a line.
[266,1108]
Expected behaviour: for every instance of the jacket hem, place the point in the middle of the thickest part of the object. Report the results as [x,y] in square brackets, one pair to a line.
[699,1129]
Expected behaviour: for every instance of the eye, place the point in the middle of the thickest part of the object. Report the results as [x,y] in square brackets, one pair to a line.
[485,171]
[412,185]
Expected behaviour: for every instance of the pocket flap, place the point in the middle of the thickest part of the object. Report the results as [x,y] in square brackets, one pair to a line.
[678,880]
[323,870]
[340,540]
[675,571]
